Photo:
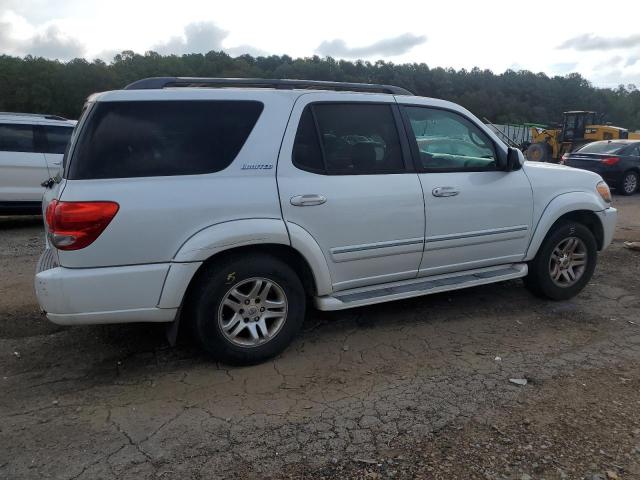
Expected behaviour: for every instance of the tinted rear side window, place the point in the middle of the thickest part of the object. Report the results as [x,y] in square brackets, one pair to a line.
[348,139]
[359,138]
[57,138]
[16,138]
[162,138]
[307,154]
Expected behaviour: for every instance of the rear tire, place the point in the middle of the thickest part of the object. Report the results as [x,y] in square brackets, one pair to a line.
[564,263]
[628,183]
[245,310]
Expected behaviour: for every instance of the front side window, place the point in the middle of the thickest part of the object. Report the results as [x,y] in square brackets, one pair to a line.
[446,141]
[16,138]
[348,139]
[161,138]
[57,138]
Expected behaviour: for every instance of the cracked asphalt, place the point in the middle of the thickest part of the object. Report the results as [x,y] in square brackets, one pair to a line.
[409,389]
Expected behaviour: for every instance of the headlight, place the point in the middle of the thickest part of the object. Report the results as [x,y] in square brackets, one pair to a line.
[603,190]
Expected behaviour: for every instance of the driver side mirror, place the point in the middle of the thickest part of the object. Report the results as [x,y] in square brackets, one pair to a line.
[515,159]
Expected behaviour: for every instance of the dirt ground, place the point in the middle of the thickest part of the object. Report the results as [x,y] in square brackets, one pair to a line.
[410,389]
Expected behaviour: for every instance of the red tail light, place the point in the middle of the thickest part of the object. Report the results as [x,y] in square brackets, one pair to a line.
[610,161]
[75,225]
[565,157]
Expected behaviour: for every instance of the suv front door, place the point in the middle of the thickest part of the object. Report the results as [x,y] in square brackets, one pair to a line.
[476,215]
[343,178]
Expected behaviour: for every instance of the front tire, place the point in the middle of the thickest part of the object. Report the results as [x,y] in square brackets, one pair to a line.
[628,183]
[539,152]
[564,263]
[245,310]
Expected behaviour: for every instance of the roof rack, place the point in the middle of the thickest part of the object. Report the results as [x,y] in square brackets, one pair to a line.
[282,84]
[38,115]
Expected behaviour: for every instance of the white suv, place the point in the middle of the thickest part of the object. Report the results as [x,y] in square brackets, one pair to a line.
[231,207]
[31,149]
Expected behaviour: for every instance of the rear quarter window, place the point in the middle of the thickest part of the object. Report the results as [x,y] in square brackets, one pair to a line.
[161,138]
[602,147]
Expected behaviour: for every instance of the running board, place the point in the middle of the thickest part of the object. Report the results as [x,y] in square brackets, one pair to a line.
[357,297]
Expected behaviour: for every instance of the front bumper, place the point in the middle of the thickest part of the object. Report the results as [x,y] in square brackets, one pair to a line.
[84,296]
[608,218]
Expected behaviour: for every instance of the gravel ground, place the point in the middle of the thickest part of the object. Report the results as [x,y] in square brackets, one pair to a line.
[410,389]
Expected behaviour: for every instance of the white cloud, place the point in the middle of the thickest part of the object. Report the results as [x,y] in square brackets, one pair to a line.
[202,37]
[53,43]
[18,37]
[387,47]
[589,41]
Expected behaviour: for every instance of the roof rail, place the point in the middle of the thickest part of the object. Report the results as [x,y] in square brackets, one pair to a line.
[283,84]
[38,115]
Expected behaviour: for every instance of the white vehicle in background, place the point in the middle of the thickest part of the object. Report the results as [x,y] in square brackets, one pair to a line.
[31,151]
[233,207]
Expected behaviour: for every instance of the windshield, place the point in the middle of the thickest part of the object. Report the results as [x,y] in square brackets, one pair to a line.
[602,147]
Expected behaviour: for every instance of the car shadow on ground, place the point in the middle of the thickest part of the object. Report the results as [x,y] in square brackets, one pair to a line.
[135,347]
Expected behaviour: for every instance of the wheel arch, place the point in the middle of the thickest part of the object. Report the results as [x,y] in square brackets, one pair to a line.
[577,206]
[633,168]
[284,253]
[266,236]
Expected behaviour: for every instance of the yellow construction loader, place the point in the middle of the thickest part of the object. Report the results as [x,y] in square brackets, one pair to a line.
[577,129]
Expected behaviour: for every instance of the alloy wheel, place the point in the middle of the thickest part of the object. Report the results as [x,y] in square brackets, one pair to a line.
[568,261]
[630,183]
[252,312]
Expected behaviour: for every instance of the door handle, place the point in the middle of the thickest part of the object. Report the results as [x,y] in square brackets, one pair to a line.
[445,192]
[308,200]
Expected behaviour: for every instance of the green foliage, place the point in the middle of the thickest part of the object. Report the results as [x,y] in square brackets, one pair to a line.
[48,86]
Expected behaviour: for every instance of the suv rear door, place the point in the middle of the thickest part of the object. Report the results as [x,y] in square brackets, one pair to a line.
[343,177]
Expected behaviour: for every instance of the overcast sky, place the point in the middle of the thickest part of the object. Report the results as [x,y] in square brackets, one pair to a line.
[556,38]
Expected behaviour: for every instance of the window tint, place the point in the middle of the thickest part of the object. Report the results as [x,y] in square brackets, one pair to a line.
[57,138]
[449,142]
[355,138]
[16,138]
[306,149]
[158,138]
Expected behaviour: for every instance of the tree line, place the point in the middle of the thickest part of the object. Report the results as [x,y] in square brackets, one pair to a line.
[38,85]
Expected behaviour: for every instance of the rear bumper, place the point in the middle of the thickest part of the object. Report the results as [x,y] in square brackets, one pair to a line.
[612,178]
[151,315]
[608,217]
[85,296]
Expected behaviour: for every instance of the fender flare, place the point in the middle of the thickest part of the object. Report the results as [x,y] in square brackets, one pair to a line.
[306,245]
[238,233]
[556,208]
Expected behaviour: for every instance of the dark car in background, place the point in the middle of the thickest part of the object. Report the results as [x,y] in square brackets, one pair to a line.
[617,161]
